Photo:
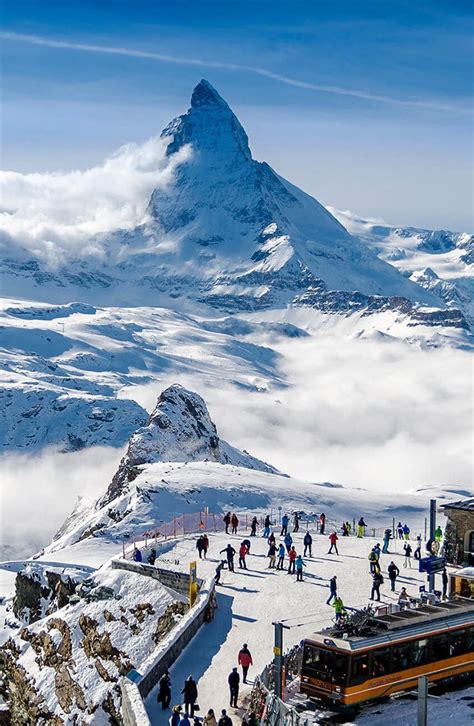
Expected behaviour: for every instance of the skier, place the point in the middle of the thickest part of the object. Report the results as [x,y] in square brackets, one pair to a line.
[332,589]
[234,521]
[288,541]
[226,519]
[190,695]
[200,547]
[361,525]
[322,522]
[234,680]
[242,556]
[284,525]
[137,555]
[292,560]
[253,527]
[205,542]
[219,569]
[175,717]
[373,560]
[333,540]
[338,606]
[281,557]
[299,568]
[152,556]
[245,660]
[377,580]
[224,719]
[210,718]
[230,552]
[308,543]
[438,534]
[387,536]
[266,526]
[406,531]
[272,551]
[164,691]
[407,550]
[393,573]
[296,522]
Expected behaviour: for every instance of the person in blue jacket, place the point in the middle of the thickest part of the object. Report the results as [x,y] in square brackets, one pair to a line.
[285,520]
[137,555]
[281,557]
[288,541]
[299,568]
[332,589]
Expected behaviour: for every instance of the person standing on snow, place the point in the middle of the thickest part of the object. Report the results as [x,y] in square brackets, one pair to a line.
[272,550]
[322,522]
[226,519]
[200,546]
[247,543]
[224,719]
[253,527]
[210,718]
[234,680]
[271,539]
[242,556]
[292,560]
[373,560]
[438,534]
[284,524]
[288,541]
[444,580]
[333,540]
[152,556]
[219,569]
[338,606]
[377,580]
[400,530]
[332,589]
[281,557]
[266,526]
[235,522]
[230,552]
[296,522]
[387,536]
[137,555]
[406,532]
[205,543]
[393,573]
[299,568]
[308,543]
[407,550]
[361,525]
[190,695]
[244,659]
[164,691]
[417,552]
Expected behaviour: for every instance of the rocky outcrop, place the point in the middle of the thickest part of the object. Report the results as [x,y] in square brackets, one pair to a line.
[179,429]
[39,592]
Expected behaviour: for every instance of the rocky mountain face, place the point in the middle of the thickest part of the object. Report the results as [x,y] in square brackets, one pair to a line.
[179,429]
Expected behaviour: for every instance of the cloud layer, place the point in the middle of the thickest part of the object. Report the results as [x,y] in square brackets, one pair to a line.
[60,215]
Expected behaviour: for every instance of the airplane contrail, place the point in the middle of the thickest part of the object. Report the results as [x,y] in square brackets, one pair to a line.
[199,62]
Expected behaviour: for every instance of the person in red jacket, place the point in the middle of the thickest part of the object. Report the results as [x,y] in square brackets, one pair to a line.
[245,660]
[242,554]
[292,559]
[333,540]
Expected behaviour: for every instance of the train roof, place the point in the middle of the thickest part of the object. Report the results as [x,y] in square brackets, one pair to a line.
[393,627]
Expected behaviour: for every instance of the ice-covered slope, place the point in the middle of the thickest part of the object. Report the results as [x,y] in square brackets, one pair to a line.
[179,429]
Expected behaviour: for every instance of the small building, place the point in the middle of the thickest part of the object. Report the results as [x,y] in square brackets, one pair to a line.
[459,534]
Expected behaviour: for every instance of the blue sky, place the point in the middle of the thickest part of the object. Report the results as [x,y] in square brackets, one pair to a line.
[405,157]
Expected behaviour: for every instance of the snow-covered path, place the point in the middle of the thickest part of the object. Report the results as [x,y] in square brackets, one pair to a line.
[250,601]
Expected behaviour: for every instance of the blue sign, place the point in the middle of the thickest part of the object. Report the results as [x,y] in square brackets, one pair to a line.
[431,565]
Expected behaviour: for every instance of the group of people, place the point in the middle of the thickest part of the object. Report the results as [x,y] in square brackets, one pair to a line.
[189,693]
[231,520]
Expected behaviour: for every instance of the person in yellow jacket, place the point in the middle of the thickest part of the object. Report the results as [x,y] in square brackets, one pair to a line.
[338,606]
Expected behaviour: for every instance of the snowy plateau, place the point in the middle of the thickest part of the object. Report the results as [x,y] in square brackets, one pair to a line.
[332,354]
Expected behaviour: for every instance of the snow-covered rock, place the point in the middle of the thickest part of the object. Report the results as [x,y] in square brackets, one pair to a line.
[179,429]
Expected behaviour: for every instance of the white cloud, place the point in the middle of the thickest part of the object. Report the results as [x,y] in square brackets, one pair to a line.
[60,215]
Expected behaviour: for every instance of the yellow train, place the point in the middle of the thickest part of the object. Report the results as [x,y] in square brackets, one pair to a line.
[433,640]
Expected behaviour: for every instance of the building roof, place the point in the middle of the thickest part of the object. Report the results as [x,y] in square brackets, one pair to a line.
[467,504]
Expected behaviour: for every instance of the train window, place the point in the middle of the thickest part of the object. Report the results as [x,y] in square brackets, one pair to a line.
[470,640]
[419,654]
[319,663]
[440,647]
[380,662]
[457,643]
[401,657]
[359,668]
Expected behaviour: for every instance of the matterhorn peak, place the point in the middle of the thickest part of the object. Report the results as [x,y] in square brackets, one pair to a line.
[179,429]
[205,94]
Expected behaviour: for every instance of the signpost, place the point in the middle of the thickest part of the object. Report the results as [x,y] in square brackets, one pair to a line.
[278,658]
[193,586]
[431,565]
